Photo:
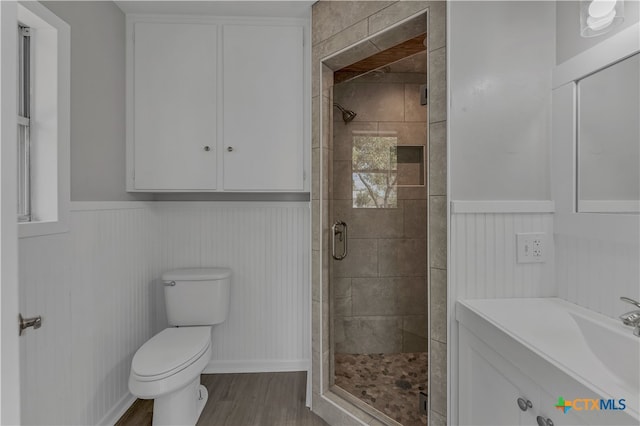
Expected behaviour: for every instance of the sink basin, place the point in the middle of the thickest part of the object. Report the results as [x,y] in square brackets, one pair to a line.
[615,347]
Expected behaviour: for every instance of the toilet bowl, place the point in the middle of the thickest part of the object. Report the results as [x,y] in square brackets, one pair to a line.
[167,367]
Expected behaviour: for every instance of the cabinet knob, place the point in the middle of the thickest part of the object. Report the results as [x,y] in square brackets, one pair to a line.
[524,404]
[229,148]
[544,421]
[207,148]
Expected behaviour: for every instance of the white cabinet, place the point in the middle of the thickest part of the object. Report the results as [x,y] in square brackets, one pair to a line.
[490,387]
[494,371]
[263,108]
[216,104]
[174,106]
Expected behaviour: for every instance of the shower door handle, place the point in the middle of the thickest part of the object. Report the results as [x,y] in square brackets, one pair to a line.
[339,229]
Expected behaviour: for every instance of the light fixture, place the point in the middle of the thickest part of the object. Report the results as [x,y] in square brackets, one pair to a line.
[600,16]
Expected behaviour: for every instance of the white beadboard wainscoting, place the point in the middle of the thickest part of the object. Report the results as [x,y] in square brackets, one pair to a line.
[594,272]
[267,247]
[483,250]
[92,288]
[482,261]
[97,288]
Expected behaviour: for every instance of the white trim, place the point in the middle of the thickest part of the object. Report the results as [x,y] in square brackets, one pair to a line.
[216,20]
[252,204]
[81,206]
[502,206]
[10,385]
[257,366]
[78,206]
[118,410]
[40,15]
[608,206]
[608,52]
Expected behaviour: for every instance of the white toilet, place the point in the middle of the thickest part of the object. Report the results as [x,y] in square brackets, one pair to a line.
[167,367]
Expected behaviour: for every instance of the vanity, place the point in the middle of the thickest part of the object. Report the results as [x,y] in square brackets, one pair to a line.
[517,357]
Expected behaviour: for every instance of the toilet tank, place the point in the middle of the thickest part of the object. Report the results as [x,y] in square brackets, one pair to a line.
[197,296]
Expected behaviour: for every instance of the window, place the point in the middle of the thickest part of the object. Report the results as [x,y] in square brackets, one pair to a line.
[43,65]
[375,171]
[24,131]
[380,165]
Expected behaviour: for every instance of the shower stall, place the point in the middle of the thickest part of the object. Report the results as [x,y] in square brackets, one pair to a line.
[377,223]
[379,215]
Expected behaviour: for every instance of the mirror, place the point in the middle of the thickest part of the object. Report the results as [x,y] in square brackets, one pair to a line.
[608,141]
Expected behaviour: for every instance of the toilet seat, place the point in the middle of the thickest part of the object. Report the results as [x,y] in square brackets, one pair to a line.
[170,351]
[170,360]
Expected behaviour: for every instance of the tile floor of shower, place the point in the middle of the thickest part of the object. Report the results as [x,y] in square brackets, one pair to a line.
[391,383]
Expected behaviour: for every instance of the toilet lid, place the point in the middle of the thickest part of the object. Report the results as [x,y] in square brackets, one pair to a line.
[170,351]
[196,274]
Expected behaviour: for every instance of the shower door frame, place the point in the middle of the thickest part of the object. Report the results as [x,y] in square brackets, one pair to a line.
[328,403]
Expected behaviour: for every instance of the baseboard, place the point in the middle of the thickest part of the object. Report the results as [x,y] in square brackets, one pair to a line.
[256,366]
[308,396]
[112,417]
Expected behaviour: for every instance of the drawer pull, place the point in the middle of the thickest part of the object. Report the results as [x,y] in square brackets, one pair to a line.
[524,404]
[544,421]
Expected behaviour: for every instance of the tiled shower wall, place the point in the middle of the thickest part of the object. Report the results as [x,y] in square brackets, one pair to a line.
[380,290]
[335,26]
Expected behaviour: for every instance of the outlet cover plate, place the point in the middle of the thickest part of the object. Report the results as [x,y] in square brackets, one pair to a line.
[531,247]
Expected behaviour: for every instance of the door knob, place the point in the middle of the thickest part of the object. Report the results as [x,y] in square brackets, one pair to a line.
[229,148]
[207,148]
[24,323]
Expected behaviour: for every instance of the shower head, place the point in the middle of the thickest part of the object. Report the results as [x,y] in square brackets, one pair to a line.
[347,115]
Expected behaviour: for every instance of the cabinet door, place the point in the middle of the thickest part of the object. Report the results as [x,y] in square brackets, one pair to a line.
[174,106]
[490,386]
[263,108]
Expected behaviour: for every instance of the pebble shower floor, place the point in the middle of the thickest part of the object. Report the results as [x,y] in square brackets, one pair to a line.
[391,383]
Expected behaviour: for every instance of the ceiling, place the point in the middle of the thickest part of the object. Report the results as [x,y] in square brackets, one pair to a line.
[263,8]
[386,57]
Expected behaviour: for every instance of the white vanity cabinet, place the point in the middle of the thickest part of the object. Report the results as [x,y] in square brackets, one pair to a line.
[496,370]
[490,387]
[216,104]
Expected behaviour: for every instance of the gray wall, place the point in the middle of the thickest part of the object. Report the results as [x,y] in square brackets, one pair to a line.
[501,57]
[569,41]
[97,100]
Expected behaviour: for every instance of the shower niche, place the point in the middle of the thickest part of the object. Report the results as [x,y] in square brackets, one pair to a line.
[378,307]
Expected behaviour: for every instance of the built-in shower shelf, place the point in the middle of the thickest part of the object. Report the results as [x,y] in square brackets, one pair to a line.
[410,163]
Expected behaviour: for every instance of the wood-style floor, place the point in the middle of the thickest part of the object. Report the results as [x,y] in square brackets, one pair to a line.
[260,399]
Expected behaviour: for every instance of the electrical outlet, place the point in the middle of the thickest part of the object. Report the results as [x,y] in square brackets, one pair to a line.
[531,247]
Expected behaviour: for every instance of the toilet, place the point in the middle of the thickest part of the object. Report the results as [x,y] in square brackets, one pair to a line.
[167,367]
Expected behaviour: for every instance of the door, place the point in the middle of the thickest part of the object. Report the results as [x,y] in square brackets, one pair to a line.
[378,272]
[263,108]
[491,390]
[175,67]
[9,355]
